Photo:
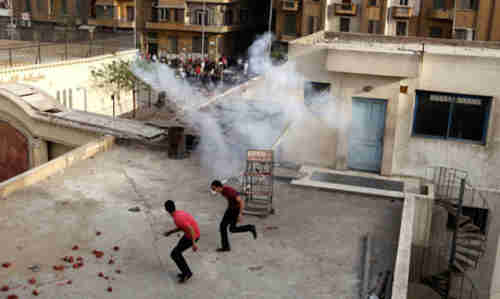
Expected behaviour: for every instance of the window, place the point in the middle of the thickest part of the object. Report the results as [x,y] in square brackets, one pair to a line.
[451,116]
[290,27]
[436,32]
[403,2]
[228,17]
[345,24]
[78,8]
[438,4]
[314,90]
[197,44]
[310,24]
[172,44]
[243,16]
[39,5]
[130,13]
[104,11]
[163,14]
[289,3]
[373,27]
[372,2]
[28,5]
[467,4]
[401,29]
[200,17]
[64,7]
[179,16]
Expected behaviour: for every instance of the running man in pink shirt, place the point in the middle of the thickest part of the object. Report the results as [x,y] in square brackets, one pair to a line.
[186,223]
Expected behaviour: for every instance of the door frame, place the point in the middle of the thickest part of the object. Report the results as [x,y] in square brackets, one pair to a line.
[385,102]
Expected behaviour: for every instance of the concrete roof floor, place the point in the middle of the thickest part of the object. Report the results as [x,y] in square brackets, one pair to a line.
[315,251]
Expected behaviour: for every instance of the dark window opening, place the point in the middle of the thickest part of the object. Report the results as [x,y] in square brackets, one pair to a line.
[310,20]
[290,25]
[451,116]
[345,24]
[373,26]
[436,32]
[313,90]
[401,29]
[105,11]
[179,16]
[372,3]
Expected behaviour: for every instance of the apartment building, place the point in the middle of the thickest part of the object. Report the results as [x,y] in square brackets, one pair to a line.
[295,18]
[458,19]
[30,13]
[212,27]
[112,14]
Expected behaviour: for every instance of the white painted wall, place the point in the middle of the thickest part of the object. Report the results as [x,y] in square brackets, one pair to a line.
[70,82]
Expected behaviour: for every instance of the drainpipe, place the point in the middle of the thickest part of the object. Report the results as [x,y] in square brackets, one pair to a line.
[453,35]
[490,29]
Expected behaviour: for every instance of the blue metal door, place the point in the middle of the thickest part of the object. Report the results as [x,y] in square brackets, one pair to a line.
[367,134]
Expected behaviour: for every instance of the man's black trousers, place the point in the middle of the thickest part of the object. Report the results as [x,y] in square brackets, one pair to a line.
[176,255]
[230,219]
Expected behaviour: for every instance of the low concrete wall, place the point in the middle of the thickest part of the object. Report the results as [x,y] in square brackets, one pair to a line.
[50,168]
[402,268]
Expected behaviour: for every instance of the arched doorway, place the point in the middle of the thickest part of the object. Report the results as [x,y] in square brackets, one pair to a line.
[14,152]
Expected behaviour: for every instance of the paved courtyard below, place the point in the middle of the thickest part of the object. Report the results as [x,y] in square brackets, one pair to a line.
[311,248]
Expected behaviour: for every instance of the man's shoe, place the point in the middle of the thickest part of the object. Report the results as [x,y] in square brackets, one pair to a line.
[185,278]
[180,275]
[254,232]
[222,249]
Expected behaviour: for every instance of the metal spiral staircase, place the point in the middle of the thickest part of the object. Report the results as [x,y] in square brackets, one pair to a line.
[468,235]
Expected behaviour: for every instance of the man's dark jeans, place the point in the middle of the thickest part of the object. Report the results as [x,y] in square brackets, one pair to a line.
[230,219]
[176,255]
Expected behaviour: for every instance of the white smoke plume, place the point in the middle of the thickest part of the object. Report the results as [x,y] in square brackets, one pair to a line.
[232,125]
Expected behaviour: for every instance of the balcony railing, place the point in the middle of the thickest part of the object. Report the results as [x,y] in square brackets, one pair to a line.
[441,14]
[346,9]
[290,5]
[402,12]
[192,27]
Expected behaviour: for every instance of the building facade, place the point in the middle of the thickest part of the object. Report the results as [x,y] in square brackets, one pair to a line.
[460,19]
[51,12]
[295,18]
[215,28]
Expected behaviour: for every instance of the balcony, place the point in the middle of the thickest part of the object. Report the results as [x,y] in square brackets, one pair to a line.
[465,18]
[441,14]
[104,22]
[402,12]
[373,13]
[124,23]
[191,27]
[290,5]
[346,9]
[5,12]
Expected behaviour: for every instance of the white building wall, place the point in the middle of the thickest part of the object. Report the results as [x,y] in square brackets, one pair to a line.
[70,82]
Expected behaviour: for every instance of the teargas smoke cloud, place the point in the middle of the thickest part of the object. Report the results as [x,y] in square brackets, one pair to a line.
[233,124]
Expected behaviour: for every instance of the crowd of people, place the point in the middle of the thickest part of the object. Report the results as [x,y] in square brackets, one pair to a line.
[208,72]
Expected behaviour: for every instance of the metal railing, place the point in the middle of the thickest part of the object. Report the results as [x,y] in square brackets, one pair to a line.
[57,52]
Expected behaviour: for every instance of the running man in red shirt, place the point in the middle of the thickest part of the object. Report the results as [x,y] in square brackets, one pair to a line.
[186,223]
[233,214]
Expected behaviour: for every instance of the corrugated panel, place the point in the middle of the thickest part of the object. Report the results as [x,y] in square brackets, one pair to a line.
[171,3]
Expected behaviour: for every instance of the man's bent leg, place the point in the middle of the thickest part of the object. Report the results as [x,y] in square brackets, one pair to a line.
[184,243]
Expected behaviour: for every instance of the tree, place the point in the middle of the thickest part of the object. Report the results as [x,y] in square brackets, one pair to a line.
[115,78]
